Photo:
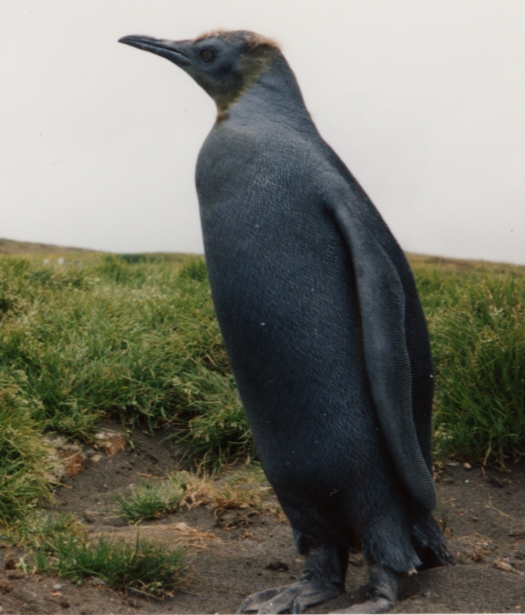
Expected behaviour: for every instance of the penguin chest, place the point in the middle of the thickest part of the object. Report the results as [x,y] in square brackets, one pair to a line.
[284,293]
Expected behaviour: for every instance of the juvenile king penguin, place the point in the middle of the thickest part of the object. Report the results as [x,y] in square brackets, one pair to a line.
[322,324]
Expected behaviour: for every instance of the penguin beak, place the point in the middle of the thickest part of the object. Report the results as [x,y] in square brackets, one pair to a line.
[171,50]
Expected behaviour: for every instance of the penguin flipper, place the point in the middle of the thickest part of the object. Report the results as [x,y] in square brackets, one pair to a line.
[382,306]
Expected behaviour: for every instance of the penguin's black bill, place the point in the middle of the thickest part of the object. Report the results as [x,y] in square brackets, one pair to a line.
[171,50]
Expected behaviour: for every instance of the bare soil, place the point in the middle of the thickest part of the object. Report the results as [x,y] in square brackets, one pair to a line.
[237,553]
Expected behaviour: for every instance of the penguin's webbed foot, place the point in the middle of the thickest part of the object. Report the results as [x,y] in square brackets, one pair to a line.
[385,587]
[289,598]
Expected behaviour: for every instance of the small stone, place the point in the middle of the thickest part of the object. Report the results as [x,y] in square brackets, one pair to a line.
[110,441]
[57,587]
[91,515]
[5,586]
[66,457]
[467,466]
[98,581]
[477,557]
[277,565]
[497,482]
[10,563]
[96,458]
[463,557]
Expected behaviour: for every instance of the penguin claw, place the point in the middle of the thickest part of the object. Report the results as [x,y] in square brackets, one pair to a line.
[255,602]
[294,598]
[380,605]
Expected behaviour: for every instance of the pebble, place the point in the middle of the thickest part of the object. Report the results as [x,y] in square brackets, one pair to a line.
[10,563]
[277,565]
[98,581]
[92,515]
[57,587]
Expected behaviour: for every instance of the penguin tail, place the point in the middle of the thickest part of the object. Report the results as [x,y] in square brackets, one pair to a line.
[429,542]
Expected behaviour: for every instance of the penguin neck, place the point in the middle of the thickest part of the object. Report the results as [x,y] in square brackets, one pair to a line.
[275,96]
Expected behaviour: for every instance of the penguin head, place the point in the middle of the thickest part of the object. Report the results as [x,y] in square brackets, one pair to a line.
[224,63]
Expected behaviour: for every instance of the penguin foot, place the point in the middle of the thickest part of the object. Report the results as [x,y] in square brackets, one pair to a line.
[385,587]
[294,598]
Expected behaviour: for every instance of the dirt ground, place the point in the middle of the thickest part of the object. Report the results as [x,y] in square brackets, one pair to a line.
[483,514]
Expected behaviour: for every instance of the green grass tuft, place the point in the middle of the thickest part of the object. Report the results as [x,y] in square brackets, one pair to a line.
[59,544]
[146,567]
[151,501]
[41,530]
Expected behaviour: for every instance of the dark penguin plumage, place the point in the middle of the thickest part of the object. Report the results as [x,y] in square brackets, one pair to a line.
[322,323]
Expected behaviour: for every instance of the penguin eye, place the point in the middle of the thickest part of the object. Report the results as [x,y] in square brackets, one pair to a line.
[206,55]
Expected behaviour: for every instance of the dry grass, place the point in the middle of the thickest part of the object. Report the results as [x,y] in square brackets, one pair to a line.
[244,489]
[175,534]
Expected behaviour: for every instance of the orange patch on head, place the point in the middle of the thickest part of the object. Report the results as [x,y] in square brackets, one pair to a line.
[251,38]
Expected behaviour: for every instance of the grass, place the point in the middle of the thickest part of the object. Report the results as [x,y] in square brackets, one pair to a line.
[146,567]
[136,341]
[477,327]
[24,458]
[60,545]
[151,501]
[240,489]
[135,338]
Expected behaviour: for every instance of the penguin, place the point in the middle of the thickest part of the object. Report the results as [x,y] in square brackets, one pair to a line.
[322,324]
